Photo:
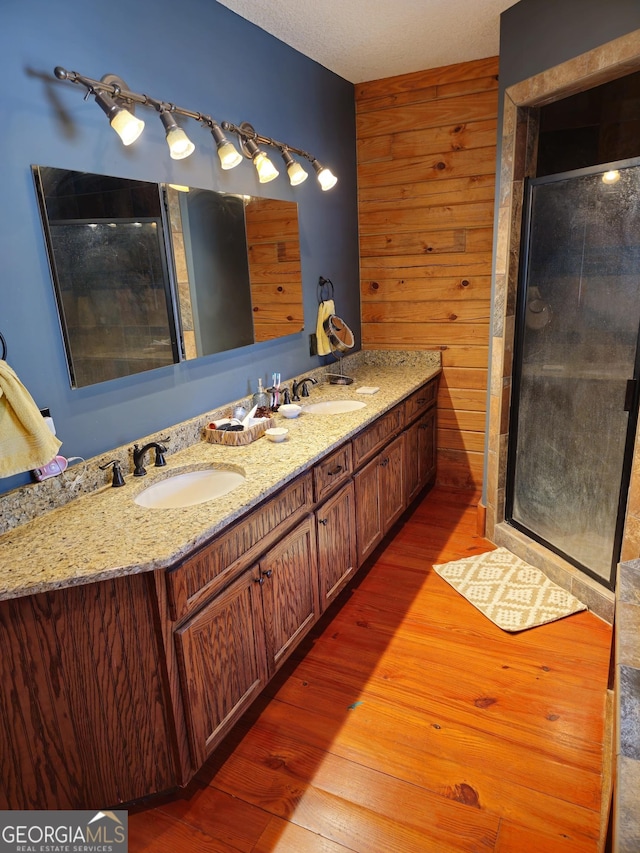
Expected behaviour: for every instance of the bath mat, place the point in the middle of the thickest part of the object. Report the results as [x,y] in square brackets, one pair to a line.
[510,592]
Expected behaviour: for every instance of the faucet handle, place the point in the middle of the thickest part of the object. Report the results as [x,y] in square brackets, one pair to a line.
[138,457]
[160,451]
[118,479]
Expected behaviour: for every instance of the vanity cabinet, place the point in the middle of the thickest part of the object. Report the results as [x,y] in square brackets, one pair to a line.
[209,570]
[230,648]
[115,690]
[223,663]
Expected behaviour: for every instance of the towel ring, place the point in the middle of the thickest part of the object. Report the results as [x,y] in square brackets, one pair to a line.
[4,347]
[322,283]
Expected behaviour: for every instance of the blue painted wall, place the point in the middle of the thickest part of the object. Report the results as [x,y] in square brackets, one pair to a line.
[203,57]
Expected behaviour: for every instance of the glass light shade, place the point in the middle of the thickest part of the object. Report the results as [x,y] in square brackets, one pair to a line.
[327,179]
[611,177]
[180,146]
[265,168]
[229,155]
[297,174]
[127,126]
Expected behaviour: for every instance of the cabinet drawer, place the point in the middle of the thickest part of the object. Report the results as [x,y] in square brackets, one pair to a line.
[377,435]
[205,573]
[331,472]
[420,400]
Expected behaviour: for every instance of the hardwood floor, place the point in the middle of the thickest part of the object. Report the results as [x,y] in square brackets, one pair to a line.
[409,722]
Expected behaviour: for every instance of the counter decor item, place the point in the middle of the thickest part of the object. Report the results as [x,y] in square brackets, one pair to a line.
[277,433]
[261,398]
[290,410]
[240,438]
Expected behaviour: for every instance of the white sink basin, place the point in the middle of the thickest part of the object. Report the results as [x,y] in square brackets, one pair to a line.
[333,407]
[189,488]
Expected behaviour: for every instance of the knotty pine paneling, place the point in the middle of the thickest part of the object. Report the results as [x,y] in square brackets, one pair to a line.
[426,145]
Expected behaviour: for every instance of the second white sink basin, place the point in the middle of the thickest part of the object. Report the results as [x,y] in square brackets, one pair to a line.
[333,407]
[189,488]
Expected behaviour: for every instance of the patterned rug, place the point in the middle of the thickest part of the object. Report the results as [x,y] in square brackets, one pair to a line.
[510,592]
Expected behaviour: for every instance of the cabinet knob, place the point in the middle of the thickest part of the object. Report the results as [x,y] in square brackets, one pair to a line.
[384,462]
[323,520]
[259,580]
[267,574]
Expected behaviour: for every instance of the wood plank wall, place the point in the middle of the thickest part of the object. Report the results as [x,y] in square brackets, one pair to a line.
[426,176]
[275,274]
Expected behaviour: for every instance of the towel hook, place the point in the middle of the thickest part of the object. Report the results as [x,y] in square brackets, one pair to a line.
[4,347]
[322,283]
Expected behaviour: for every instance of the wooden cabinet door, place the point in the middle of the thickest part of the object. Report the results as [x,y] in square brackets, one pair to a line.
[289,584]
[392,488]
[336,533]
[411,459]
[368,509]
[420,454]
[222,658]
[380,495]
[427,447]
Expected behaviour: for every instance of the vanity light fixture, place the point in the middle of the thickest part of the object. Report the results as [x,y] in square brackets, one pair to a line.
[264,167]
[297,174]
[227,152]
[117,102]
[180,146]
[125,124]
[612,176]
[326,178]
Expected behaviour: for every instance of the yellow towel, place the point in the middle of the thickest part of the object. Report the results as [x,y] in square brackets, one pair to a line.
[25,440]
[325,309]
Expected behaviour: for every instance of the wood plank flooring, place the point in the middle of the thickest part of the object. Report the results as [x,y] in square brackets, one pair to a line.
[409,723]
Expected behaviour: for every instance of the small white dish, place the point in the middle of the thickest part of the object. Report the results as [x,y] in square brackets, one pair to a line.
[290,410]
[277,433]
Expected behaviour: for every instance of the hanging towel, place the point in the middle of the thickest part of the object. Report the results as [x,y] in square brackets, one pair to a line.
[325,310]
[26,442]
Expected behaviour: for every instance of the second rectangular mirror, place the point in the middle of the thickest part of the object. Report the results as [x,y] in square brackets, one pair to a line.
[149,274]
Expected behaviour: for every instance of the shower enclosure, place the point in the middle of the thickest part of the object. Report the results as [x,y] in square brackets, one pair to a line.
[575,401]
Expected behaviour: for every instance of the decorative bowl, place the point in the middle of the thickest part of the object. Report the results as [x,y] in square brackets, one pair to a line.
[277,433]
[290,410]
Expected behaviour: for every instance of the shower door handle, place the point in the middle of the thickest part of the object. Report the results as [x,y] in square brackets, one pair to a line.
[630,394]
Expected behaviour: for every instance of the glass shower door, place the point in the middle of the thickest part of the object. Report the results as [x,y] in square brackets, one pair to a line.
[574,410]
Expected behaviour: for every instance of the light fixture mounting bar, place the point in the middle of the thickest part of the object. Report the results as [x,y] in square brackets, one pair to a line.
[111,86]
[243,131]
[95,86]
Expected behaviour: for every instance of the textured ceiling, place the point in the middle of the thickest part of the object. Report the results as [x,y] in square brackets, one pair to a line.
[364,40]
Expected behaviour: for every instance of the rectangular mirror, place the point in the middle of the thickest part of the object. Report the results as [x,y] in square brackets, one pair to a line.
[146,275]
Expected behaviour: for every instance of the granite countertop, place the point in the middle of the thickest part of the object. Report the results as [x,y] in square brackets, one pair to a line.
[105,534]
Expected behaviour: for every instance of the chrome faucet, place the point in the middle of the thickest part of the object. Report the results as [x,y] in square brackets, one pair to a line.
[138,457]
[302,384]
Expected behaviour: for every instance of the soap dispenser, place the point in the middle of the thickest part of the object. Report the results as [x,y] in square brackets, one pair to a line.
[261,398]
